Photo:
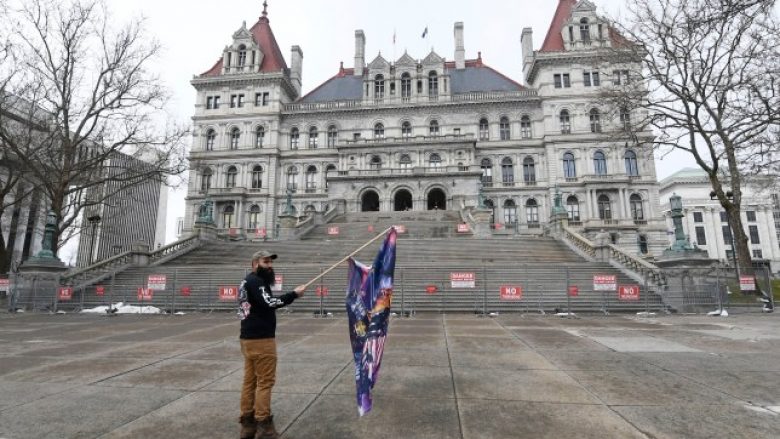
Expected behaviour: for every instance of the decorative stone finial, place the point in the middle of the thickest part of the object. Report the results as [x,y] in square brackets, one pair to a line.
[265,8]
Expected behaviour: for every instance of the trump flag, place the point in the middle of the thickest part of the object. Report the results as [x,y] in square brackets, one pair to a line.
[369,294]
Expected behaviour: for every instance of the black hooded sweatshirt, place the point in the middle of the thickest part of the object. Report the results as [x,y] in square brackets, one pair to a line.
[260,322]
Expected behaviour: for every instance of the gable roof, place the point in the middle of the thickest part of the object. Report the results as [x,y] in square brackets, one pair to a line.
[273,61]
[345,86]
[553,42]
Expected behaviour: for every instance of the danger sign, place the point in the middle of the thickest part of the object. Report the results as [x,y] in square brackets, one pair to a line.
[228,293]
[747,283]
[463,228]
[65,293]
[462,279]
[604,282]
[145,294]
[260,232]
[186,291]
[100,290]
[5,284]
[156,282]
[574,291]
[321,291]
[628,293]
[509,292]
[333,230]
[278,280]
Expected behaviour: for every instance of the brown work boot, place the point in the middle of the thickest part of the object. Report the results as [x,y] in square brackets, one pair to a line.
[248,426]
[266,429]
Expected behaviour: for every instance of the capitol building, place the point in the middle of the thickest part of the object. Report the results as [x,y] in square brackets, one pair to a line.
[425,132]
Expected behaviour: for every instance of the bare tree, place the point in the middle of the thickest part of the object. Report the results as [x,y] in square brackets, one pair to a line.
[706,83]
[86,84]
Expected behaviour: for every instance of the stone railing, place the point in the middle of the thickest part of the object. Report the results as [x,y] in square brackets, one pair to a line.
[173,249]
[579,241]
[637,265]
[97,269]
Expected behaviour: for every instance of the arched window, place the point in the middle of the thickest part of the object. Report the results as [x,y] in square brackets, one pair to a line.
[211,138]
[605,207]
[406,87]
[257,177]
[573,208]
[405,163]
[487,172]
[503,128]
[484,129]
[490,205]
[632,169]
[507,172]
[259,137]
[205,180]
[228,216]
[637,212]
[292,179]
[600,163]
[314,136]
[565,121]
[376,163]
[235,137]
[510,212]
[525,127]
[532,211]
[584,30]
[329,172]
[406,130]
[379,87]
[295,137]
[379,131]
[230,177]
[529,170]
[434,161]
[309,210]
[569,166]
[254,217]
[433,84]
[625,119]
[595,121]
[333,134]
[433,128]
[241,55]
[311,179]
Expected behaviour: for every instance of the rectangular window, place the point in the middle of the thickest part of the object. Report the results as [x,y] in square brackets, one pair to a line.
[596,79]
[701,236]
[726,235]
[233,101]
[698,217]
[561,80]
[216,102]
[566,81]
[758,254]
[240,101]
[751,216]
[586,79]
[265,99]
[557,80]
[258,99]
[591,79]
[724,218]
[209,103]
[356,136]
[620,77]
[754,238]
[456,131]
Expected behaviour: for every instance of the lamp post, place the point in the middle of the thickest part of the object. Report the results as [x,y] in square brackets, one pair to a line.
[730,196]
[94,220]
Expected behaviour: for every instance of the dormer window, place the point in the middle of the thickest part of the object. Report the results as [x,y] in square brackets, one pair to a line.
[379,87]
[433,84]
[584,30]
[241,55]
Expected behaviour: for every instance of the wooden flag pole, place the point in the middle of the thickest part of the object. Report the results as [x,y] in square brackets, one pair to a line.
[306,285]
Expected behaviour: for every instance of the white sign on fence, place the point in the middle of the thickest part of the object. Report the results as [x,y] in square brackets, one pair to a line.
[156,282]
[462,279]
[604,282]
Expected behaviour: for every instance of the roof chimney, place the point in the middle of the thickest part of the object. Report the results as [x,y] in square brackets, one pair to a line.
[460,51]
[527,44]
[360,52]
[296,68]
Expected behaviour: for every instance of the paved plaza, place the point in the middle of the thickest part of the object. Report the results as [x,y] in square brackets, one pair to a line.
[443,376]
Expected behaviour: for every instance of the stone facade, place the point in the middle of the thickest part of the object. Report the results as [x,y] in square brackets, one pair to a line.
[423,134]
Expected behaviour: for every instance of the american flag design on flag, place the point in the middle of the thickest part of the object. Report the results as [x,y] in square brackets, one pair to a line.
[369,296]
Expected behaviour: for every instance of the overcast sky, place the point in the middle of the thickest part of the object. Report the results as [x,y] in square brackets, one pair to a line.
[193,35]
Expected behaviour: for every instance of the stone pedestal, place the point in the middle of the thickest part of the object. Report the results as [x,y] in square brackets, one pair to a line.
[207,231]
[481,222]
[287,229]
[690,272]
[557,221]
[139,255]
[38,281]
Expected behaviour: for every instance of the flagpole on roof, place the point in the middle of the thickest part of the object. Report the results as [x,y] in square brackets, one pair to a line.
[306,285]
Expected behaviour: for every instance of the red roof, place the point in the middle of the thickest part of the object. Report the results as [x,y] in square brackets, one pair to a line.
[273,61]
[553,42]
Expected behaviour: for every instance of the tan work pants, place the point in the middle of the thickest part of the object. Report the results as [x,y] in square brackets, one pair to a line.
[259,376]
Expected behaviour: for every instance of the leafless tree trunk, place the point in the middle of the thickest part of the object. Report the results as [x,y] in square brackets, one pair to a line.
[707,85]
[86,84]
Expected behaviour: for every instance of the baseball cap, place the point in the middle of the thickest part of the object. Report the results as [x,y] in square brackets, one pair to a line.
[264,254]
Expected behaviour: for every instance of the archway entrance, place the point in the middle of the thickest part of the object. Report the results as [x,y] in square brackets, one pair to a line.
[403,200]
[369,202]
[437,200]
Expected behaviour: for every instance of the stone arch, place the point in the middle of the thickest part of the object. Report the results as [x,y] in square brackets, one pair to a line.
[436,199]
[369,201]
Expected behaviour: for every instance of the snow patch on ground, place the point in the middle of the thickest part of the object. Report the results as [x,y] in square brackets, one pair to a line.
[121,308]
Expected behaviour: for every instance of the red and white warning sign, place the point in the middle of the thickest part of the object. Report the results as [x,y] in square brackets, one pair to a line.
[260,232]
[145,294]
[400,228]
[321,291]
[628,293]
[333,230]
[463,228]
[65,293]
[5,284]
[100,290]
[604,282]
[498,226]
[459,279]
[278,281]
[228,293]
[186,291]
[156,282]
[747,283]
[574,291]
[431,289]
[511,292]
